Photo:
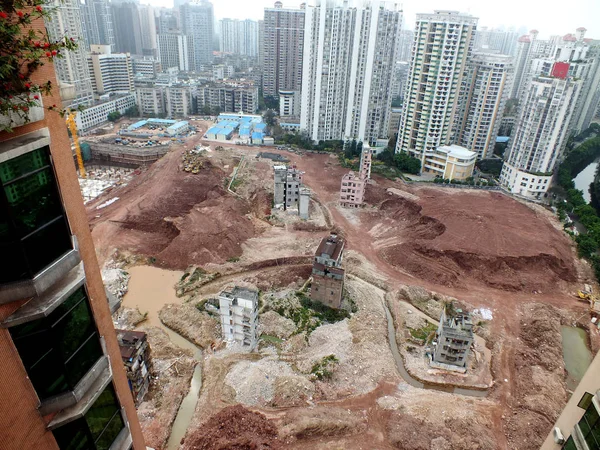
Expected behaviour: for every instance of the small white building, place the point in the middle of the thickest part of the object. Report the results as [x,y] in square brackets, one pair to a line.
[451,162]
[523,183]
[239,316]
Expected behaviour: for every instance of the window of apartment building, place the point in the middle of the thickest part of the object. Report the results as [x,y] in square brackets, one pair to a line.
[58,350]
[97,429]
[33,225]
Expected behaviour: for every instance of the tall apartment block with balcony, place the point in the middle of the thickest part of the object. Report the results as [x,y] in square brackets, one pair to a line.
[63,383]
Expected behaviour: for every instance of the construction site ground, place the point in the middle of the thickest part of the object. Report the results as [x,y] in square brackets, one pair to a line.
[483,248]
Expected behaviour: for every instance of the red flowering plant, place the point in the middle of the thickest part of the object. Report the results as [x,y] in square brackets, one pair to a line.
[23,51]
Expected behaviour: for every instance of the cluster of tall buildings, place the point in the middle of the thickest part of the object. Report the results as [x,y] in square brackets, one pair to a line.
[344,71]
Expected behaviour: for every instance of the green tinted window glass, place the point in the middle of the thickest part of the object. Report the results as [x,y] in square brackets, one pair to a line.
[74,436]
[570,444]
[24,164]
[104,418]
[33,226]
[59,350]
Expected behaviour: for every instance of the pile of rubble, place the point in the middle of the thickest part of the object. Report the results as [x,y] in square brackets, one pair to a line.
[192,159]
[116,281]
[100,179]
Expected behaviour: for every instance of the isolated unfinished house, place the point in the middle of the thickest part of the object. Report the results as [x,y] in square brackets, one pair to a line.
[239,316]
[327,273]
[135,353]
[354,185]
[289,192]
[453,341]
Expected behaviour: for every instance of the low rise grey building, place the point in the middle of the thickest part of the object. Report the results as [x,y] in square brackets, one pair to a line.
[453,341]
[239,316]
[288,189]
[327,273]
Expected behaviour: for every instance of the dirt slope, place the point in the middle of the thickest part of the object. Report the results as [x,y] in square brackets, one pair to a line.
[174,216]
[497,241]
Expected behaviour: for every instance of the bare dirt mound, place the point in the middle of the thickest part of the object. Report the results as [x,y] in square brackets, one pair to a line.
[177,217]
[235,428]
[452,239]
[540,392]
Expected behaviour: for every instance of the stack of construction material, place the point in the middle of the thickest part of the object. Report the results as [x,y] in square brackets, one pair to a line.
[135,353]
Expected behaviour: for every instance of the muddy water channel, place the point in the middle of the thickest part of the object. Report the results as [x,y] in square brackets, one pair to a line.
[576,354]
[150,288]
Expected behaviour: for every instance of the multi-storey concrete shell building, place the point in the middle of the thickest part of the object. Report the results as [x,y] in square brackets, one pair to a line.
[63,382]
[483,98]
[541,132]
[239,316]
[282,45]
[228,97]
[348,68]
[442,47]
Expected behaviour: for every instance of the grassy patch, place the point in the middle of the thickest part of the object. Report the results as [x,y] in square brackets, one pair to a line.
[236,183]
[323,312]
[324,368]
[423,333]
[386,171]
[270,339]
[233,259]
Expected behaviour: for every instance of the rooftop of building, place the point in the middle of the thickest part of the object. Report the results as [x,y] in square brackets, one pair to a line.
[323,268]
[457,323]
[243,293]
[332,246]
[128,341]
[457,151]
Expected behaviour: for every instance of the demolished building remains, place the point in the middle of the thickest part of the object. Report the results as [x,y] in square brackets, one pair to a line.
[289,191]
[135,353]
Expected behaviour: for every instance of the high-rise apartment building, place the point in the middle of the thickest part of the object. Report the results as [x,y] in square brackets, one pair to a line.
[196,20]
[442,47]
[405,43]
[526,51]
[167,21]
[283,49]
[239,37]
[127,27]
[148,30]
[111,72]
[495,40]
[176,50]
[486,87]
[66,20]
[63,382]
[541,132]
[180,100]
[97,22]
[147,66]
[348,68]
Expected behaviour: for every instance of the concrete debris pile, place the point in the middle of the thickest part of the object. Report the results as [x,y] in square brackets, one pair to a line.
[253,381]
[100,179]
[192,159]
[116,281]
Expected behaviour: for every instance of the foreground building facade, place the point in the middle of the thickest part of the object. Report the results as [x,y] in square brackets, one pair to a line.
[63,383]
[348,68]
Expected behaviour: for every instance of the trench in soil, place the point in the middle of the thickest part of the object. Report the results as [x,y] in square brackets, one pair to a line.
[150,288]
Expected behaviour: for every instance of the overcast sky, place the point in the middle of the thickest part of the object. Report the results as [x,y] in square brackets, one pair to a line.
[544,15]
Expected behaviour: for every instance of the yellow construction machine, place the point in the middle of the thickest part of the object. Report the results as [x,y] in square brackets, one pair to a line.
[586,293]
[73,128]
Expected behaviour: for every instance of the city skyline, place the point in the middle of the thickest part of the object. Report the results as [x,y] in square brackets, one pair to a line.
[535,14]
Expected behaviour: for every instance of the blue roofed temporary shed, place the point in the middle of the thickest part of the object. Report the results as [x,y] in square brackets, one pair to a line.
[260,127]
[257,137]
[178,128]
[245,131]
[212,133]
[137,125]
[224,134]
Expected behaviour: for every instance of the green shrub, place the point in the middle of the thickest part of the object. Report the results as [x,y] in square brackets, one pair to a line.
[324,368]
